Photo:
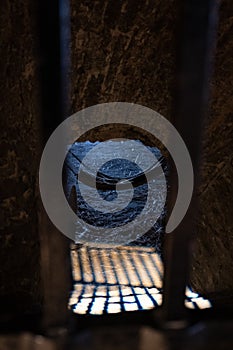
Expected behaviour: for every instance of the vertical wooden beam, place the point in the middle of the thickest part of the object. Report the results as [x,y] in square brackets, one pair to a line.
[53,31]
[194,56]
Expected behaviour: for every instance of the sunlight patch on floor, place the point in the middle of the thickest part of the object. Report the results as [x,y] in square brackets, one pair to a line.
[113,280]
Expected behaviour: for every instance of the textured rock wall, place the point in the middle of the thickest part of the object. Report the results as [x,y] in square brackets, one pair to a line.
[213,260]
[122,51]
[19,243]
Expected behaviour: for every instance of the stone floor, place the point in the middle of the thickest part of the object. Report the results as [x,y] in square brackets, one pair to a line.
[202,336]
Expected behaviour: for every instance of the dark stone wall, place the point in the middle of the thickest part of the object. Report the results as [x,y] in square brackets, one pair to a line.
[213,259]
[19,152]
[121,51]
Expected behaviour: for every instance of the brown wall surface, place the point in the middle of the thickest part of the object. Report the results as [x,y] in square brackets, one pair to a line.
[19,241]
[213,259]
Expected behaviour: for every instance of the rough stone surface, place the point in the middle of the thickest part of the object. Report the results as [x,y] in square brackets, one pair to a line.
[213,259]
[19,242]
[122,51]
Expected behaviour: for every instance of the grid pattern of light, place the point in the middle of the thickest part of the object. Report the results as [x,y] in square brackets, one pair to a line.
[112,280]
